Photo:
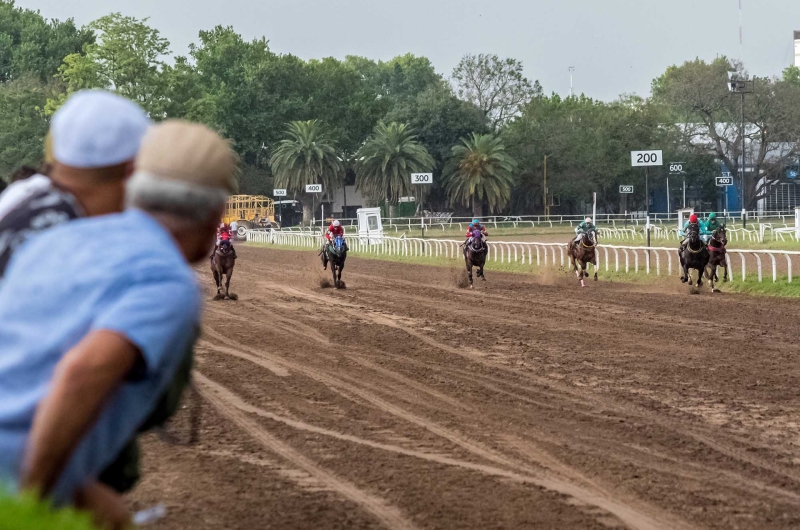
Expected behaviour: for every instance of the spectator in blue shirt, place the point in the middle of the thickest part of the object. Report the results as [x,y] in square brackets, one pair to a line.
[95,327]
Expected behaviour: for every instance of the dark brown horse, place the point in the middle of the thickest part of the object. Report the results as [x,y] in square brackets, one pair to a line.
[475,251]
[222,264]
[717,254]
[335,253]
[583,252]
[693,256]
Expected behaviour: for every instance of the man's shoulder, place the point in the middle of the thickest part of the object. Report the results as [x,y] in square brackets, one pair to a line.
[130,242]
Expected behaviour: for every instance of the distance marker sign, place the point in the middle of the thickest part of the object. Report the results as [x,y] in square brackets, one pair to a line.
[279,193]
[313,188]
[626,189]
[724,181]
[422,178]
[647,158]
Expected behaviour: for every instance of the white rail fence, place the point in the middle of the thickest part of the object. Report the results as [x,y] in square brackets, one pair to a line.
[615,258]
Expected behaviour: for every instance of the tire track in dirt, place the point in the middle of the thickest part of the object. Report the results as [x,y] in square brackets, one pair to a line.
[633,517]
[630,516]
[565,392]
[580,398]
[691,425]
[388,515]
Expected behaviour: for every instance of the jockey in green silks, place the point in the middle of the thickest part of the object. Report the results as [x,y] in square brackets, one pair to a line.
[585,227]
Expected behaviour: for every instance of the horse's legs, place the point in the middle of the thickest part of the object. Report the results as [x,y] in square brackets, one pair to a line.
[699,277]
[341,267]
[469,271]
[217,279]
[228,275]
[685,276]
[332,263]
[594,264]
[724,266]
[480,271]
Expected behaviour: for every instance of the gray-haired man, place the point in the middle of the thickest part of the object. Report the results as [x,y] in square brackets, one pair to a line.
[72,398]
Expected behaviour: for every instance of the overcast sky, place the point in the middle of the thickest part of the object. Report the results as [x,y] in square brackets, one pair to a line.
[616,46]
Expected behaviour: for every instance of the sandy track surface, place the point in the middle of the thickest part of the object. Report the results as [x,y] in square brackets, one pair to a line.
[406,402]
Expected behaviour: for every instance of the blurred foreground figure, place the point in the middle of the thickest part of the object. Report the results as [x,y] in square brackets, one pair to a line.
[94,328]
[93,141]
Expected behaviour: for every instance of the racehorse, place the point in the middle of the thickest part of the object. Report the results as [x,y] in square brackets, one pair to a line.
[717,254]
[475,251]
[584,253]
[694,256]
[222,264]
[337,254]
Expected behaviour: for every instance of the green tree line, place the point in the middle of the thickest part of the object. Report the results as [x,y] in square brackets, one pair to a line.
[484,130]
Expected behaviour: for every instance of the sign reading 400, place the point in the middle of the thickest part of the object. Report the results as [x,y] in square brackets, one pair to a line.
[647,158]
[313,188]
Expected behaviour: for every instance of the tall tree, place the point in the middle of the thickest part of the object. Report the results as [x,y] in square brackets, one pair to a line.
[24,123]
[340,97]
[481,170]
[696,95]
[440,120]
[128,58]
[387,159]
[306,156]
[496,86]
[34,46]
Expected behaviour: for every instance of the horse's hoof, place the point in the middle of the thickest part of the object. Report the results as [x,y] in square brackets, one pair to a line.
[471,286]
[233,296]
[219,297]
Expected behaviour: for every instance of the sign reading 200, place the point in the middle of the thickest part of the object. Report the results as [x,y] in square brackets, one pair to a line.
[646,158]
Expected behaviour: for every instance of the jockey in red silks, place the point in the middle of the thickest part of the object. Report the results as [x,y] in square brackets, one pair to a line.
[334,230]
[224,233]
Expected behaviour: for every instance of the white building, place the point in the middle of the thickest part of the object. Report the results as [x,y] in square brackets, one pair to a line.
[797,49]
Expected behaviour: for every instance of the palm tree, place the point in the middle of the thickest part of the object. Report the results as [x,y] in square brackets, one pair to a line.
[306,156]
[480,170]
[386,160]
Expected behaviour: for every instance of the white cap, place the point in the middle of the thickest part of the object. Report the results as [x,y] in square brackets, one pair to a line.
[336,223]
[96,128]
[588,219]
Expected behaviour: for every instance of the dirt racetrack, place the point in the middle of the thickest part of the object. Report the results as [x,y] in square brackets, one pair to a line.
[406,402]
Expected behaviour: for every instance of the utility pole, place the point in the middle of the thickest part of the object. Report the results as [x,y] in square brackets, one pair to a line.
[739,84]
[571,69]
[546,202]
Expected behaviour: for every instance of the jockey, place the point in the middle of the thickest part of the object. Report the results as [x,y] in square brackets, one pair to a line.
[710,226]
[582,229]
[335,229]
[475,227]
[685,232]
[224,233]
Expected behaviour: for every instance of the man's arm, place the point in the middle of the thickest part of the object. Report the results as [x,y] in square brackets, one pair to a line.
[82,382]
